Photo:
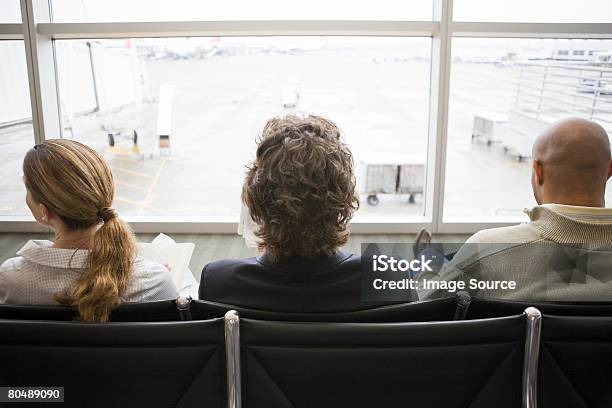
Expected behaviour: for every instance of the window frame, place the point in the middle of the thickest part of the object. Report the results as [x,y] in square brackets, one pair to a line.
[38,33]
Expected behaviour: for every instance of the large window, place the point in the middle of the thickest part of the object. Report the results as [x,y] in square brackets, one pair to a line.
[503,93]
[439,100]
[211,97]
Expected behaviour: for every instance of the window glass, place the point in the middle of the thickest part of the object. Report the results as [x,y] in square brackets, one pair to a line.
[16,134]
[163,10]
[10,11]
[207,98]
[541,11]
[503,93]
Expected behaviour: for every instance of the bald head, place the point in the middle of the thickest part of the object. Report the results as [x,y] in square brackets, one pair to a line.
[571,162]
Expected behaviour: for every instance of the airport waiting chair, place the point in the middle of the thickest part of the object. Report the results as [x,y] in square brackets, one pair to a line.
[576,362]
[159,311]
[430,310]
[477,363]
[37,312]
[152,364]
[480,308]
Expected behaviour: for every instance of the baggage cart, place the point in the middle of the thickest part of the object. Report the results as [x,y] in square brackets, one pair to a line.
[484,126]
[389,173]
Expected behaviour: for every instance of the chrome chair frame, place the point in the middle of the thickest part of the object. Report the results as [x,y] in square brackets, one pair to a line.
[531,358]
[183,304]
[533,331]
[232,358]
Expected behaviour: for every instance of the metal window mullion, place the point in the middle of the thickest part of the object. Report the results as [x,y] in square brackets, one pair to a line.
[238,28]
[438,113]
[42,73]
[532,30]
[11,31]
[323,27]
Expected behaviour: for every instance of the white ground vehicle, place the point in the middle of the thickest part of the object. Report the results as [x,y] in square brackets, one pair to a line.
[290,95]
[389,173]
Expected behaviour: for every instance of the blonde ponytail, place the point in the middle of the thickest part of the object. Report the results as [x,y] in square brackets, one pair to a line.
[76,183]
[102,286]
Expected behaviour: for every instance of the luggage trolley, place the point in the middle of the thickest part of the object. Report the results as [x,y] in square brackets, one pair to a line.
[388,173]
[136,128]
[128,130]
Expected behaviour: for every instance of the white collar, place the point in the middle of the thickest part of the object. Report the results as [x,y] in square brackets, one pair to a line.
[41,252]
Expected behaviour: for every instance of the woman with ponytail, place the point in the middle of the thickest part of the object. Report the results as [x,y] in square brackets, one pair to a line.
[92,262]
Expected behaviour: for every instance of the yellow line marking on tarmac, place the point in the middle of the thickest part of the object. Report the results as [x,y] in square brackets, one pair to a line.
[153,184]
[141,163]
[129,185]
[142,205]
[135,173]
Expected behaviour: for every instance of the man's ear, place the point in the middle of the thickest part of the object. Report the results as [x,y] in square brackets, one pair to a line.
[538,171]
[610,170]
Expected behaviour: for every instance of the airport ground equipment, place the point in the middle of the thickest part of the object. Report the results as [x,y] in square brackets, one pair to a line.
[128,130]
[484,127]
[554,90]
[290,95]
[518,135]
[390,173]
[137,128]
[547,91]
[164,116]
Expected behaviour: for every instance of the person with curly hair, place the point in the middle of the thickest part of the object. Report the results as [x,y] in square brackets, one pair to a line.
[300,193]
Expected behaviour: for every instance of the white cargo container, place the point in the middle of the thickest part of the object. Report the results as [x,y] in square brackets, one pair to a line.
[484,126]
[411,179]
[390,173]
[518,135]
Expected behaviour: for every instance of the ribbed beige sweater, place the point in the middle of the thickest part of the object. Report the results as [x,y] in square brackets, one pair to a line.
[563,254]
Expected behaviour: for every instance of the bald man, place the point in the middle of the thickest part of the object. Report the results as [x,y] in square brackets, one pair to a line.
[571,164]
[565,252]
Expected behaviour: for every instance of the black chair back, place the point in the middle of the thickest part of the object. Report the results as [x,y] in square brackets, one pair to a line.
[486,308]
[458,364]
[576,362]
[430,310]
[159,311]
[154,364]
[37,312]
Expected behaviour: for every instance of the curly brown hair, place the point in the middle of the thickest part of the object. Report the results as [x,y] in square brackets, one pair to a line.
[300,190]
